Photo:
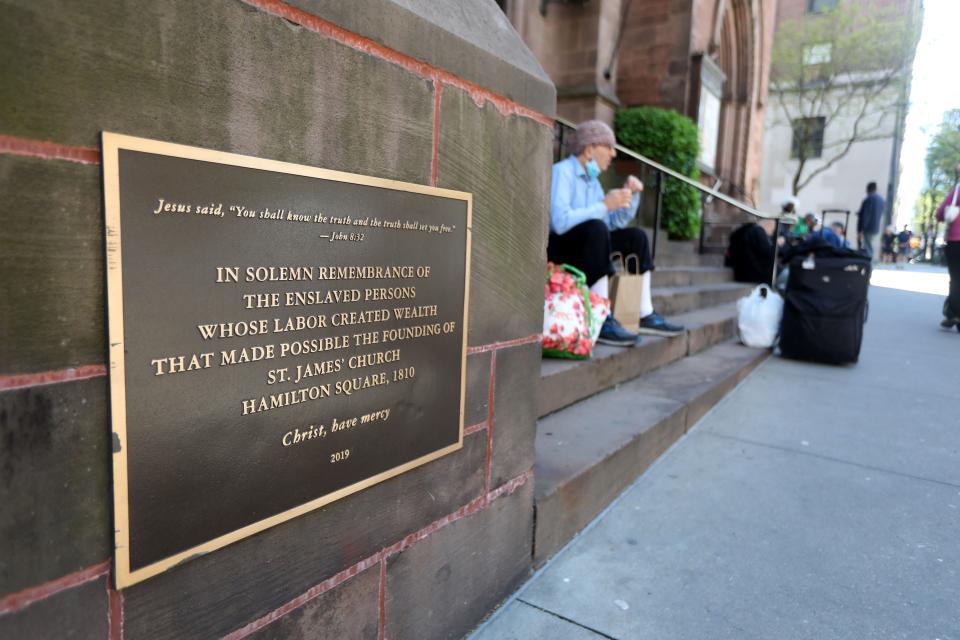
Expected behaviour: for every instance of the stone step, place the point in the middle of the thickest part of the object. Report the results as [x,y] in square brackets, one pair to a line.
[687,276]
[673,247]
[663,260]
[588,453]
[669,301]
[565,382]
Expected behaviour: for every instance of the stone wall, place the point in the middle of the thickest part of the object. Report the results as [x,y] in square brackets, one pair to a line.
[656,66]
[426,92]
[655,54]
[574,42]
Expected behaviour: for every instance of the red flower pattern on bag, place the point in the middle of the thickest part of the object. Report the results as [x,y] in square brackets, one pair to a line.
[570,326]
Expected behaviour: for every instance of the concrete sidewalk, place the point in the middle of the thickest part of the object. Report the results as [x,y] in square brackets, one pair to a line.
[814,502]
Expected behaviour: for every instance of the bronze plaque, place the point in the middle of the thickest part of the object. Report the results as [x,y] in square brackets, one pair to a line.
[281,336]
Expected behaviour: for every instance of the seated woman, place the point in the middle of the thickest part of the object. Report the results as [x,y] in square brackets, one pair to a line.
[586,226]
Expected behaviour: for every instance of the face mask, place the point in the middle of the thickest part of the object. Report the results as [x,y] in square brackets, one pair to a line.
[593,169]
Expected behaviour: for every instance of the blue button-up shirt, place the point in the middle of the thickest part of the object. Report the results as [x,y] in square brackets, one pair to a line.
[575,197]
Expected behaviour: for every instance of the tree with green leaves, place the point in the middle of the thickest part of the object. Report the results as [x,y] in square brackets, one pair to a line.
[839,78]
[943,154]
[924,218]
[671,139]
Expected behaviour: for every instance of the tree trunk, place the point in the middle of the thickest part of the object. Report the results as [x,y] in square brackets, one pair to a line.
[796,179]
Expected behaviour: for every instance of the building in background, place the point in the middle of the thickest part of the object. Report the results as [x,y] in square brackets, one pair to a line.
[851,132]
[707,59]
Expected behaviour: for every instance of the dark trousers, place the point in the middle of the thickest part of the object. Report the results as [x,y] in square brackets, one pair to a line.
[588,246]
[952,252]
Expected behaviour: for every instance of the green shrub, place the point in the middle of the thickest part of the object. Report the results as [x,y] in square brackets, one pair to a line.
[672,140]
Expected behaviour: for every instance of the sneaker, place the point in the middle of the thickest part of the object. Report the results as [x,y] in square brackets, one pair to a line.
[613,334]
[655,325]
[949,323]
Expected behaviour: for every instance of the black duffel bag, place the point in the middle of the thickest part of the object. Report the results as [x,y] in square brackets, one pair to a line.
[825,305]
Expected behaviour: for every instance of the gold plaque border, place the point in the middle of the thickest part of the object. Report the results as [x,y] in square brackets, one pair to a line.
[112,144]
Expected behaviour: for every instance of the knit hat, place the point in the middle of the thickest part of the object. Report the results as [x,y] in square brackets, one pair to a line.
[592,132]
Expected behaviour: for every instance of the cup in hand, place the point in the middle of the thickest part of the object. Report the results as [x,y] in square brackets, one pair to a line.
[618,199]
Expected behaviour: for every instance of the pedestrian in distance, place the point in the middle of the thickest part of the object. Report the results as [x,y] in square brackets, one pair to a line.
[868,219]
[904,250]
[587,226]
[888,252]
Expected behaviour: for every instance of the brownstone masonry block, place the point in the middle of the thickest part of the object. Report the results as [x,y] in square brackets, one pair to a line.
[223,591]
[444,585]
[159,70]
[478,388]
[501,160]
[54,482]
[350,610]
[478,48]
[76,614]
[515,412]
[51,258]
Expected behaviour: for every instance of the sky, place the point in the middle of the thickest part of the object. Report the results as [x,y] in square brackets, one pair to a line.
[934,90]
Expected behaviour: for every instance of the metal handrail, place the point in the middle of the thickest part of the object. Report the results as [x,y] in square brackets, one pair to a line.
[661,170]
[693,183]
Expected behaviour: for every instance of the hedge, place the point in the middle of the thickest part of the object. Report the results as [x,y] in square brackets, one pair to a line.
[672,140]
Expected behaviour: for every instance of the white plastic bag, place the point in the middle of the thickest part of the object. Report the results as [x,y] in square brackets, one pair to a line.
[758,317]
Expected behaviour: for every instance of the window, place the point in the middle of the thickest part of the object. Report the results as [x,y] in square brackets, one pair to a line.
[819,6]
[817,53]
[709,125]
[807,138]
[712,80]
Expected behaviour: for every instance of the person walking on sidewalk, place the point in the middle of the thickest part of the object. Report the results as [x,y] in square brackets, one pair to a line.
[868,219]
[586,226]
[951,308]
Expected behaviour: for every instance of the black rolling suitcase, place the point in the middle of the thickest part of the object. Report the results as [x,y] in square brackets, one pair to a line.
[825,305]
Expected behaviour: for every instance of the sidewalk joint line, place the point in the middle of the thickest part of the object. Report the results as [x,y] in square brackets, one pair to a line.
[821,456]
[566,619]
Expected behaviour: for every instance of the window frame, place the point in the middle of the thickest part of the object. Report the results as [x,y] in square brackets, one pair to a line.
[812,136]
[817,6]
